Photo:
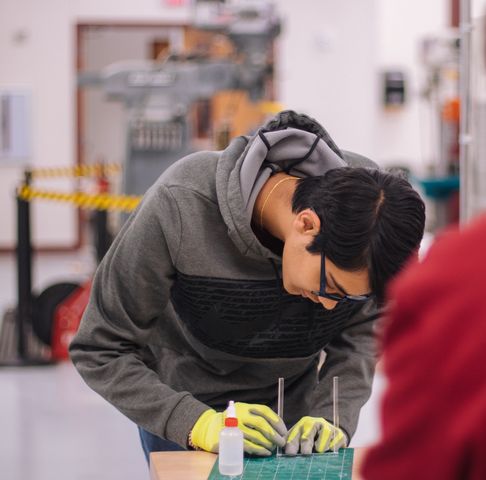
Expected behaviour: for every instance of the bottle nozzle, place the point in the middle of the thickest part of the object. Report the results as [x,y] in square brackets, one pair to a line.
[231,410]
[231,420]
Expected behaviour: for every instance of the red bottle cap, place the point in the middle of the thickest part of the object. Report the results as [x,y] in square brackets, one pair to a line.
[230,422]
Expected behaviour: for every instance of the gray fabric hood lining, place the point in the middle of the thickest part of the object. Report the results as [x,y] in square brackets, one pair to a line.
[287,146]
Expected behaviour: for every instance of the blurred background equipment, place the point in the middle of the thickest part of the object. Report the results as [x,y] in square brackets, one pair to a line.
[394,91]
[161,96]
[440,58]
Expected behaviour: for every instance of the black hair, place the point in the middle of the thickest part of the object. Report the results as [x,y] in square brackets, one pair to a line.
[369,219]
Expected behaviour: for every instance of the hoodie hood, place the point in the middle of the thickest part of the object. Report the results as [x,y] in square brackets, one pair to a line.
[292,143]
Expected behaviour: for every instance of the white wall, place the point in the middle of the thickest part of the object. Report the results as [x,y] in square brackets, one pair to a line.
[41,63]
[406,134]
[129,11]
[327,57]
[478,8]
[330,55]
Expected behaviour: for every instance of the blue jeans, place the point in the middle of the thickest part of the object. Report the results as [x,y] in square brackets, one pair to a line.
[152,443]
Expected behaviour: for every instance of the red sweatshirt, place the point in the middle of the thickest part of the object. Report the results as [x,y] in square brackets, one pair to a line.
[434,410]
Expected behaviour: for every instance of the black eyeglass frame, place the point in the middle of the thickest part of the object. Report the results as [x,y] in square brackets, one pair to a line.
[332,296]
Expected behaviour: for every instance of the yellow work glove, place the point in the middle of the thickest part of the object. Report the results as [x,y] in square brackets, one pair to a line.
[262,429]
[313,434]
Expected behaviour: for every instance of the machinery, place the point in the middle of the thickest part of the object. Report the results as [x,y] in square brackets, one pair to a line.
[158,95]
[440,58]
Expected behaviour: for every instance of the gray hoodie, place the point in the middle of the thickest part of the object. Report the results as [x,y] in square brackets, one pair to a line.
[187,309]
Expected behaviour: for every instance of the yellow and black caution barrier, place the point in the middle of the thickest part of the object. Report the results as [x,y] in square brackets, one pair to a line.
[91,170]
[98,201]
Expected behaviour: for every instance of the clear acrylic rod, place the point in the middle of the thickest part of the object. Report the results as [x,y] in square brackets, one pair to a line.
[335,409]
[280,405]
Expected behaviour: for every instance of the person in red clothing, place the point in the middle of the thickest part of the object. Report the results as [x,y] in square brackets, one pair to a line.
[434,347]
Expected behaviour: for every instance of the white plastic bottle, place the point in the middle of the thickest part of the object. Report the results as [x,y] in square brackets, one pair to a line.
[231,451]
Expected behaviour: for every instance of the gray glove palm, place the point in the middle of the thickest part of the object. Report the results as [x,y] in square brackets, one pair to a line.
[314,434]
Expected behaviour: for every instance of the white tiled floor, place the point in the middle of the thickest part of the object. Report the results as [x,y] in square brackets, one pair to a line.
[52,426]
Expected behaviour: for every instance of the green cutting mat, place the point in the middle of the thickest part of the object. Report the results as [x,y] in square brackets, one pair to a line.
[324,466]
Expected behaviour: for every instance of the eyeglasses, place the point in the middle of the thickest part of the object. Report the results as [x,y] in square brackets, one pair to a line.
[332,296]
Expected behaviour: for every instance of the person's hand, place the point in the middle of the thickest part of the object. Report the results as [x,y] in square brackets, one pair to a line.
[313,434]
[262,429]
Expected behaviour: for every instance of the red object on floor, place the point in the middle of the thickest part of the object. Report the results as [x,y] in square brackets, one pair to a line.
[66,320]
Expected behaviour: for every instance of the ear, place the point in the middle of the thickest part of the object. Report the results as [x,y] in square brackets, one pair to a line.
[307,222]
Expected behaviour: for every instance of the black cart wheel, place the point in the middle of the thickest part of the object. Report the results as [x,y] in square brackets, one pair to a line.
[44,307]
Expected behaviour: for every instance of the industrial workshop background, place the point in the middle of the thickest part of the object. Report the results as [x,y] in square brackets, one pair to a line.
[99,97]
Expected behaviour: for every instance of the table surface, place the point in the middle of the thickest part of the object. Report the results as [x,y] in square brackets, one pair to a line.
[197,465]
